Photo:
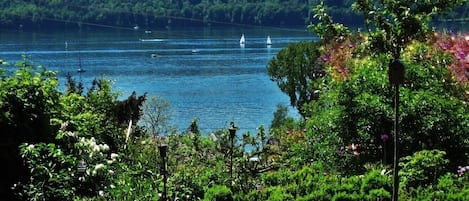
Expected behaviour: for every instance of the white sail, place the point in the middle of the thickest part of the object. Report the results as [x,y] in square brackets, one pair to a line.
[269,41]
[242,40]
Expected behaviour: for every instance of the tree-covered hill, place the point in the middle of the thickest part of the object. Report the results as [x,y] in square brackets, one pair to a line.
[153,13]
[156,13]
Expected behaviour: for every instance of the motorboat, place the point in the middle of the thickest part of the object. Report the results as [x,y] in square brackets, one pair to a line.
[152,40]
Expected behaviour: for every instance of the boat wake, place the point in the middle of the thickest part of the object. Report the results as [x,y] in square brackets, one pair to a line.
[152,40]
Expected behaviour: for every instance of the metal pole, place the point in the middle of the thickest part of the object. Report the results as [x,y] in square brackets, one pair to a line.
[395,182]
[232,131]
[396,73]
[164,179]
[163,148]
[231,159]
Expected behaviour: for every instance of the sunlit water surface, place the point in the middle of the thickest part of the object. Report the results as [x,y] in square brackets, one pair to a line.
[203,72]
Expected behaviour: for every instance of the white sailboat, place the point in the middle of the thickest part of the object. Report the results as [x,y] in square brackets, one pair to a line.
[269,41]
[242,41]
[80,69]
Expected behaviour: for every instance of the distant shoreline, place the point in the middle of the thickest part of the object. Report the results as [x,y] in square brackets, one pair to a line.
[440,23]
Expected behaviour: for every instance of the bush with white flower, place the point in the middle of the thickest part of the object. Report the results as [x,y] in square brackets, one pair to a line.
[100,164]
[70,168]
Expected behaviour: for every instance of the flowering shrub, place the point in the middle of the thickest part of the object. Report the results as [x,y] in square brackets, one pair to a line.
[56,133]
[458,47]
[53,173]
[99,164]
[359,109]
[54,169]
[338,55]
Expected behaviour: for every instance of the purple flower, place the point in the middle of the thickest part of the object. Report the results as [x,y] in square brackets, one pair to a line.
[339,152]
[384,137]
[461,55]
[462,170]
[326,58]
[443,45]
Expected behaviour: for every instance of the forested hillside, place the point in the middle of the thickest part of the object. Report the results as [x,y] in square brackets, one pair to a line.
[156,13]
[150,13]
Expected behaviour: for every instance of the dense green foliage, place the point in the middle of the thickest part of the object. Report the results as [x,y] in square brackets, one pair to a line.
[297,73]
[54,131]
[400,21]
[28,101]
[88,145]
[149,14]
[359,110]
[218,193]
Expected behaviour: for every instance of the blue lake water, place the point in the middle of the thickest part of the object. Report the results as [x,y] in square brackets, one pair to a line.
[203,72]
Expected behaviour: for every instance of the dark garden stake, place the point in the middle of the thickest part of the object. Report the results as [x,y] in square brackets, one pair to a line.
[163,148]
[232,131]
[396,78]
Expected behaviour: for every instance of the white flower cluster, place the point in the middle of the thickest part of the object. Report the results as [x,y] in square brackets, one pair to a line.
[28,150]
[114,157]
[70,134]
[100,161]
[90,146]
[97,154]
[97,167]
[30,147]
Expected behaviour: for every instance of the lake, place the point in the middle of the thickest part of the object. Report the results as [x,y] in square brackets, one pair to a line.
[202,71]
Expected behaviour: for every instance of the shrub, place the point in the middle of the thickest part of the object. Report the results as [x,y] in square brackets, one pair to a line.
[343,196]
[218,193]
[316,195]
[276,178]
[53,172]
[253,195]
[452,187]
[29,99]
[279,194]
[422,168]
[379,194]
[305,180]
[376,184]
[349,185]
